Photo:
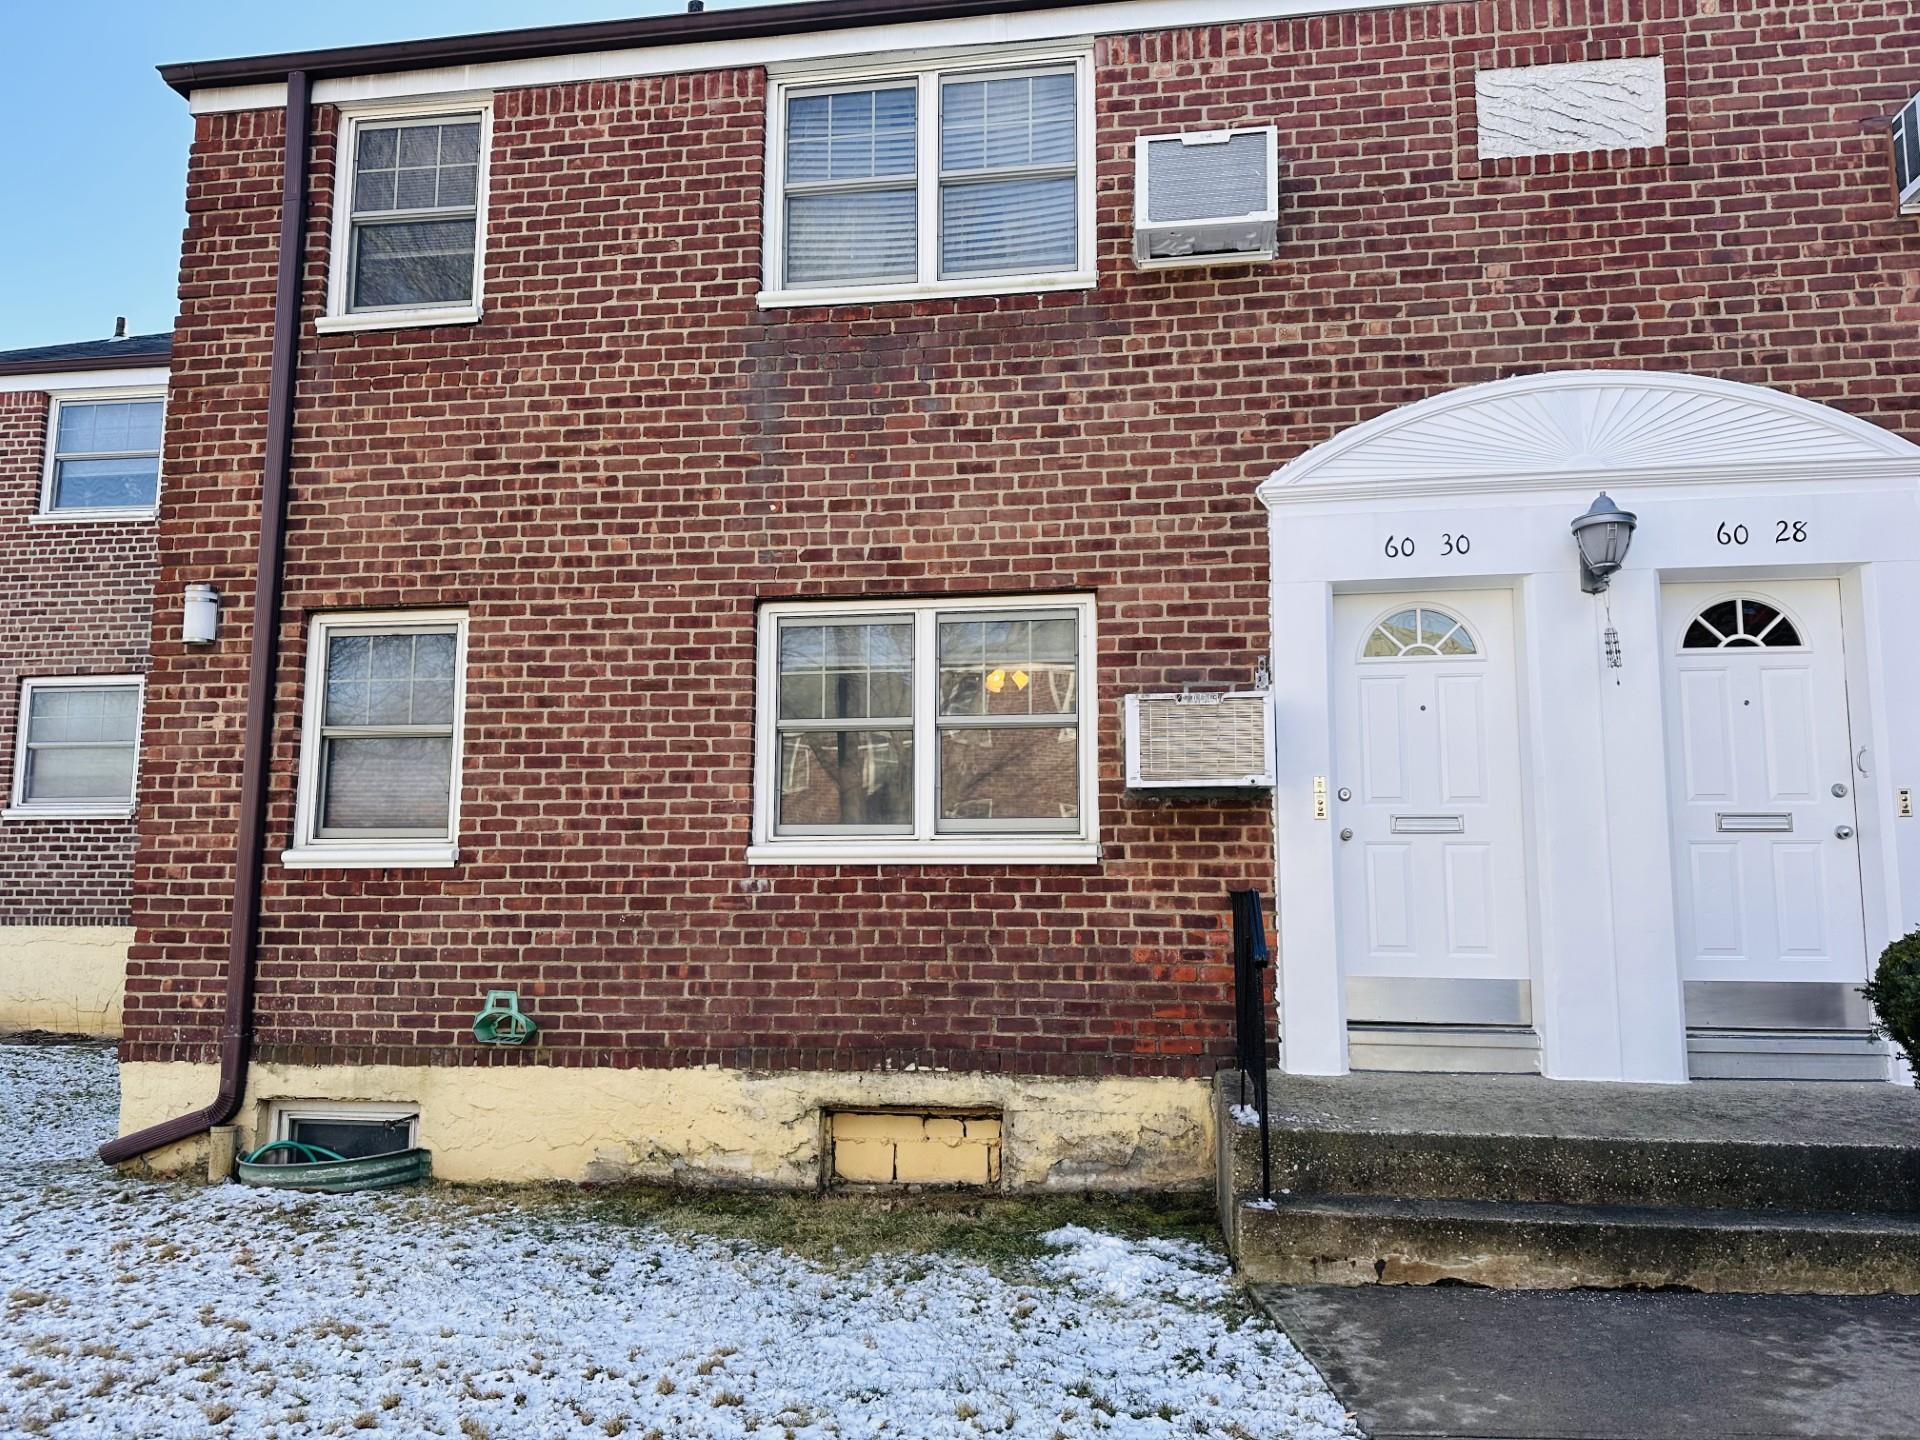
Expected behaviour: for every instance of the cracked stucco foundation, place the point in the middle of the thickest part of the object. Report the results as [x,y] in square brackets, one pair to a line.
[63,977]
[713,1126]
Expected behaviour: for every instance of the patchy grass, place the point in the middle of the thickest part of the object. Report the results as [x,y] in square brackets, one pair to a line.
[993,1230]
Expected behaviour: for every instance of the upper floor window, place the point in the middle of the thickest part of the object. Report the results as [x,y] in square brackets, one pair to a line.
[956,179]
[103,457]
[926,730]
[77,745]
[409,220]
[380,746]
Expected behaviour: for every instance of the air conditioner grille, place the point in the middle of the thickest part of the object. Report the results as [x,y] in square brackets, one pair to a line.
[1221,743]
[1206,182]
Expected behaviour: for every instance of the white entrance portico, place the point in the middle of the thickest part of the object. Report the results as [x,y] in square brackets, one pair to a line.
[1636,835]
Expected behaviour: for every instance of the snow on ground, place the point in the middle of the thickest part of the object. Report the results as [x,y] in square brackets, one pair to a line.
[171,1309]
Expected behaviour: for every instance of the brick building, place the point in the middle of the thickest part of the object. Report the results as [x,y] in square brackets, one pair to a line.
[734,465]
[79,471]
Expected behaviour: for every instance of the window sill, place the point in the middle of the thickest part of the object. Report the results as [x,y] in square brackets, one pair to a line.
[397,319]
[433,855]
[77,516]
[67,812]
[924,852]
[938,290]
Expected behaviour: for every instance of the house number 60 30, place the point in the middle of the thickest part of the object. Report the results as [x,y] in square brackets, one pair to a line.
[1401,547]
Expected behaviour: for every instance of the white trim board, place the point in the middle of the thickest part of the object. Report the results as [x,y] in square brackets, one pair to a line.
[1123,17]
[153,377]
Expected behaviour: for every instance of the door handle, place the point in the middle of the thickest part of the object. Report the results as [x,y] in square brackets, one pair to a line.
[1346,834]
[1843,832]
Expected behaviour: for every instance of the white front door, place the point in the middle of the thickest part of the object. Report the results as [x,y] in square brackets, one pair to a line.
[1767,871]
[1432,911]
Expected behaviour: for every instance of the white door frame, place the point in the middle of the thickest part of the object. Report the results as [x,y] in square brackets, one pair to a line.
[1508,465]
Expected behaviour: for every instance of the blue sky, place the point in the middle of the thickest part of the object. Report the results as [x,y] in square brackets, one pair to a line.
[93,168]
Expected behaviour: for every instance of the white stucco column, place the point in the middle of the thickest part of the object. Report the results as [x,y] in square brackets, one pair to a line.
[1649,1003]
[1312,999]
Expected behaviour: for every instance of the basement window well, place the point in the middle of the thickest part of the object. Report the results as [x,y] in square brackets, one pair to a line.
[914,1147]
[352,1131]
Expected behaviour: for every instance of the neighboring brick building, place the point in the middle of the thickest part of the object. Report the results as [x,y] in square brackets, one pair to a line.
[77,563]
[688,566]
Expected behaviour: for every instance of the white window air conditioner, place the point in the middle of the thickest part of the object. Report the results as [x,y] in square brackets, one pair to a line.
[1208,198]
[1211,741]
[1906,157]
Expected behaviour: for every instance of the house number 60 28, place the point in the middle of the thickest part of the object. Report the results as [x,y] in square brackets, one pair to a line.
[1785,532]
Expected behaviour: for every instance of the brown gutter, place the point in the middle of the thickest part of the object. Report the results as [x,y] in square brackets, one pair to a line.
[243,935]
[56,366]
[745,23]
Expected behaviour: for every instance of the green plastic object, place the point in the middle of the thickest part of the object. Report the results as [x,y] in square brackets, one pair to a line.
[332,1173]
[501,1021]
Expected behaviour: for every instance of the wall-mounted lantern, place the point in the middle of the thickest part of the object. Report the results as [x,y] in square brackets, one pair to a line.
[1603,535]
[200,618]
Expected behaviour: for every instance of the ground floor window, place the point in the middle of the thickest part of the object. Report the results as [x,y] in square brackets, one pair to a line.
[78,741]
[899,727]
[380,742]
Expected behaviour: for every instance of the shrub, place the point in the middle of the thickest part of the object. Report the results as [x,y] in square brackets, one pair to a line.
[1894,993]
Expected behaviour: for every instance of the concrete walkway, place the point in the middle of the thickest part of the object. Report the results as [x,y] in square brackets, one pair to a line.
[1607,1365]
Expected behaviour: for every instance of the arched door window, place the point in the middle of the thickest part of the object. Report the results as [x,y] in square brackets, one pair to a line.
[1419,632]
[1742,623]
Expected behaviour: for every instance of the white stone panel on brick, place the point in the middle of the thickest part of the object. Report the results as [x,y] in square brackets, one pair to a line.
[1566,109]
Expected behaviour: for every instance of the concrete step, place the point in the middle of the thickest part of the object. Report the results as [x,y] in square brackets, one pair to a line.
[1708,1145]
[1376,1239]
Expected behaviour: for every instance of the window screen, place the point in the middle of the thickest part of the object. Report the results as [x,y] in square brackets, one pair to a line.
[414,213]
[386,733]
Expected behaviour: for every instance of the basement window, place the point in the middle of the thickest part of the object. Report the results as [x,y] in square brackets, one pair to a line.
[351,1131]
[409,219]
[910,1147]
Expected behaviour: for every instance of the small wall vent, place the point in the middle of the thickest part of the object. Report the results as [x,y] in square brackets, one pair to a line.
[1207,198]
[1214,741]
[1906,157]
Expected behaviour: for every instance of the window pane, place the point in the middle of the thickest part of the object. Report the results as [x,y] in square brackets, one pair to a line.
[132,484]
[846,672]
[846,777]
[386,783]
[993,124]
[1029,774]
[839,237]
[87,773]
[85,715]
[109,425]
[352,1139]
[1008,227]
[852,135]
[416,262]
[1009,667]
[397,679]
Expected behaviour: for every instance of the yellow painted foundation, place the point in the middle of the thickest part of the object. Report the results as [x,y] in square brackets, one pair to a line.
[715,1126]
[63,977]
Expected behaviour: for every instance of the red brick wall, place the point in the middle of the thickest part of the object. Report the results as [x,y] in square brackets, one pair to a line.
[626,454]
[74,600]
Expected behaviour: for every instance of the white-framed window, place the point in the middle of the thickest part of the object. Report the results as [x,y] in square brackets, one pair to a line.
[970,175]
[77,747]
[380,740]
[103,456]
[926,731]
[352,1129]
[409,216]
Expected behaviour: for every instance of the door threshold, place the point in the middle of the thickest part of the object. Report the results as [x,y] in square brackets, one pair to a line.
[1465,1049]
[1786,1055]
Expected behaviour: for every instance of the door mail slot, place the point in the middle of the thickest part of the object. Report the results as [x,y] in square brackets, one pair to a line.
[1737,822]
[1429,824]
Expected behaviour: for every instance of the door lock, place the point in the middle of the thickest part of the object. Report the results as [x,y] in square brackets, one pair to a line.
[1345,794]
[1346,834]
[1839,792]
[1843,832]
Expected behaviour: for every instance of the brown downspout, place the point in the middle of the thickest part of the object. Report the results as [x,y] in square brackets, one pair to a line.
[243,936]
